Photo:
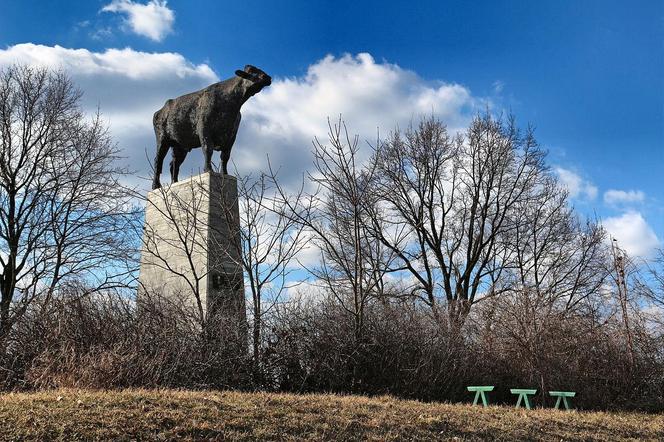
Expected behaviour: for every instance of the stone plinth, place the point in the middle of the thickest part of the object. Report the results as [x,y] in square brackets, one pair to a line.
[191,247]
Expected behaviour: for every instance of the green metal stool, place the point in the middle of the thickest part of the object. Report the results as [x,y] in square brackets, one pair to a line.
[523,395]
[562,395]
[479,392]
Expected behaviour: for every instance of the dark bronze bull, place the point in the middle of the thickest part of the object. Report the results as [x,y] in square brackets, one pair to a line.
[208,119]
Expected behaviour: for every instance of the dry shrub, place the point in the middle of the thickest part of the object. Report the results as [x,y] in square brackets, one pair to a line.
[106,342]
[525,344]
[404,352]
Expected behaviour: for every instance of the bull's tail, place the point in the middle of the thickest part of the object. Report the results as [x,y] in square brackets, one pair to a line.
[160,116]
[158,121]
[156,118]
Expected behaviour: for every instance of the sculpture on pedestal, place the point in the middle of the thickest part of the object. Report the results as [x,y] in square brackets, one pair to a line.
[191,242]
[208,118]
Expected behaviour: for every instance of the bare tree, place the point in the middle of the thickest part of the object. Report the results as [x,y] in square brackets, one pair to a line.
[353,266]
[64,214]
[176,244]
[558,269]
[271,239]
[619,274]
[450,202]
[657,272]
[556,257]
[651,285]
[188,247]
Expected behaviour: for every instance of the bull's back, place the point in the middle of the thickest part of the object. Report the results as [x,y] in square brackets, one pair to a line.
[216,108]
[176,120]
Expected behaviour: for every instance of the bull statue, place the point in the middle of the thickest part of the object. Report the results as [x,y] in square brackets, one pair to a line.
[208,118]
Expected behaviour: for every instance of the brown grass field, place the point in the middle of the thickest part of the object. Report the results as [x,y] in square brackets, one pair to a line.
[77,415]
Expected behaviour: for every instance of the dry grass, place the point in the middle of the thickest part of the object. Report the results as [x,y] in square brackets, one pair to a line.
[185,415]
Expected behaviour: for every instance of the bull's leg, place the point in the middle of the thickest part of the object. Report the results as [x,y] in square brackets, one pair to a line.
[226,150]
[162,150]
[179,155]
[225,157]
[207,153]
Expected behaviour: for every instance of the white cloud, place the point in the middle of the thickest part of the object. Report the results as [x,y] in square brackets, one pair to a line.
[632,233]
[153,20]
[101,33]
[575,184]
[307,293]
[122,63]
[498,86]
[615,197]
[283,119]
[129,86]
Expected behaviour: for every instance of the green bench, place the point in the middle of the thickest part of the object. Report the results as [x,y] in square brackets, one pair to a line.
[523,395]
[562,395]
[479,392]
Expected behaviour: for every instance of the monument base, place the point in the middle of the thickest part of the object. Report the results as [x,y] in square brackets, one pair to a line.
[191,252]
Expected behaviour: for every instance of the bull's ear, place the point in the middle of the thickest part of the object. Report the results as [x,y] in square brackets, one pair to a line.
[243,74]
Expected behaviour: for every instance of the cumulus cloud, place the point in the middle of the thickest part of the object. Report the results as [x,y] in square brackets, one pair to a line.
[127,85]
[124,63]
[153,20]
[281,121]
[575,184]
[632,233]
[616,197]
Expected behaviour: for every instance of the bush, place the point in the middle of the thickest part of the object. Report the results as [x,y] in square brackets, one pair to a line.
[107,342]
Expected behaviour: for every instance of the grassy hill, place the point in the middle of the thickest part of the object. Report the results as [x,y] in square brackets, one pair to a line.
[186,415]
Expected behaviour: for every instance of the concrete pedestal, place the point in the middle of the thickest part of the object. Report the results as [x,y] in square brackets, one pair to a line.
[191,247]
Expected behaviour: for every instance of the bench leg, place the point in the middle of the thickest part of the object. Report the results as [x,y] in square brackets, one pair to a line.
[566,403]
[484,400]
[518,402]
[477,396]
[525,399]
[558,402]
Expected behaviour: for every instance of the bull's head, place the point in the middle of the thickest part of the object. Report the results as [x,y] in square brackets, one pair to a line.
[258,78]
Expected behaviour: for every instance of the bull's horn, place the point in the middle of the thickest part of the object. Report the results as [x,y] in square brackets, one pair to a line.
[243,74]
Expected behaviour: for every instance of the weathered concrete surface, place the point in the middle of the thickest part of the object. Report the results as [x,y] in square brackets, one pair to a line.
[191,246]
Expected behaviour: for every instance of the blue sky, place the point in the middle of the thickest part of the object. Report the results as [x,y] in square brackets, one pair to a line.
[589,75]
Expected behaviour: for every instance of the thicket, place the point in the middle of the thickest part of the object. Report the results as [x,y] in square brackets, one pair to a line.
[439,261]
[105,342]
